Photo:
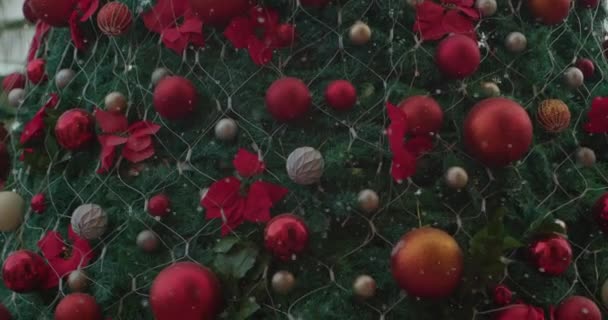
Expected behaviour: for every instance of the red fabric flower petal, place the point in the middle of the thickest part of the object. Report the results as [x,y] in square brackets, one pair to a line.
[259,52]
[233,217]
[597,116]
[75,32]
[223,201]
[88,8]
[404,162]
[139,143]
[110,122]
[275,192]
[174,40]
[248,164]
[107,155]
[35,127]
[42,29]
[454,22]
[238,32]
[428,21]
[261,198]
[434,21]
[265,18]
[417,146]
[136,156]
[143,128]
[164,14]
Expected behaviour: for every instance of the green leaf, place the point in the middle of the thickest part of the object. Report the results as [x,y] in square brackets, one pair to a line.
[236,263]
[225,244]
[246,309]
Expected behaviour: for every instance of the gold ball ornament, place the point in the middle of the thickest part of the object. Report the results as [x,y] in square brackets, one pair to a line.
[368,200]
[586,157]
[12,208]
[364,287]
[226,129]
[16,97]
[116,102]
[490,89]
[283,282]
[553,115]
[574,77]
[486,7]
[456,178]
[360,33]
[78,281]
[147,241]
[516,42]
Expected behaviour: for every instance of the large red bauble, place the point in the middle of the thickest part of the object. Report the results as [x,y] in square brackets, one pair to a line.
[175,98]
[114,18]
[550,11]
[78,306]
[24,271]
[423,115]
[457,56]
[577,308]
[54,12]
[219,12]
[314,3]
[427,263]
[600,213]
[520,312]
[74,129]
[341,95]
[551,255]
[12,81]
[288,99]
[285,236]
[497,131]
[4,313]
[29,15]
[185,290]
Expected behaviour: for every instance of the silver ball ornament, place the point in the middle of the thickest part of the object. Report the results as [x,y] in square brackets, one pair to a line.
[89,221]
[147,241]
[486,7]
[585,157]
[360,33]
[115,102]
[516,42]
[16,97]
[12,209]
[64,77]
[368,200]
[283,282]
[226,129]
[305,166]
[158,75]
[573,77]
[456,178]
[562,225]
[490,89]
[78,281]
[364,287]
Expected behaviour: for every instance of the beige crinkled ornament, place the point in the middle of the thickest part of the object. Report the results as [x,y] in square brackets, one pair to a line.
[89,221]
[305,165]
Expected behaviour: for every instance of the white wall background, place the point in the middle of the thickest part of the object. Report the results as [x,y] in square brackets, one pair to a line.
[14,43]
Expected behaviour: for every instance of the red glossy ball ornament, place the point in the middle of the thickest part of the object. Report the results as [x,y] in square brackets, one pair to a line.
[12,81]
[114,18]
[175,98]
[159,205]
[219,12]
[551,255]
[24,271]
[288,99]
[36,71]
[4,313]
[427,263]
[423,114]
[29,15]
[600,213]
[285,236]
[286,34]
[457,56]
[341,95]
[589,4]
[54,12]
[586,66]
[577,308]
[185,290]
[498,131]
[520,312]
[74,129]
[78,306]
[315,3]
[550,12]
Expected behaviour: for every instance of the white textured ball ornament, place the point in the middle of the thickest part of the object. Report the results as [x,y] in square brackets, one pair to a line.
[78,281]
[116,102]
[605,293]
[16,97]
[147,241]
[12,209]
[283,282]
[573,77]
[360,33]
[456,178]
[490,89]
[89,221]
[64,77]
[305,166]
[364,287]
[585,157]
[516,42]
[226,129]
[486,7]
[368,200]
[158,75]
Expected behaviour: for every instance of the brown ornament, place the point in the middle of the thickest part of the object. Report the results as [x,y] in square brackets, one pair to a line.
[78,281]
[364,286]
[585,157]
[456,178]
[360,33]
[553,115]
[115,102]
[490,89]
[283,282]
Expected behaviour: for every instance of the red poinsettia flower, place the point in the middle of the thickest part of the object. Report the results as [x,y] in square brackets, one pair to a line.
[164,14]
[35,127]
[598,116]
[82,12]
[136,138]
[163,19]
[42,28]
[63,257]
[404,153]
[436,20]
[248,164]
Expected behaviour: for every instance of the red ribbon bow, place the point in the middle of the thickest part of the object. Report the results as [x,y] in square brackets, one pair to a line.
[434,21]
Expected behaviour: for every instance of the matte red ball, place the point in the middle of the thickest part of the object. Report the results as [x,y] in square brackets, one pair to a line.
[498,131]
[36,71]
[577,308]
[4,313]
[12,81]
[341,95]
[423,115]
[74,129]
[28,13]
[457,56]
[286,34]
[220,12]
[159,205]
[552,255]
[285,236]
[315,3]
[114,18]
[288,99]
[600,213]
[550,12]
[586,66]
[185,290]
[175,98]
[78,306]
[520,312]
[24,271]
[589,4]
[54,12]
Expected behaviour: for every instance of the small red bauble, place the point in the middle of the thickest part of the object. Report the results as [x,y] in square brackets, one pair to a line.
[586,66]
[550,11]
[497,131]
[589,4]
[185,290]
[36,71]
[285,236]
[78,306]
[175,98]
[12,81]
[341,95]
[74,129]
[457,56]
[29,15]
[38,203]
[551,255]
[288,99]
[159,205]
[577,308]
[427,263]
[4,313]
[600,213]
[502,295]
[520,312]
[315,3]
[423,115]
[286,35]
[54,12]
[24,271]
[219,12]
[114,18]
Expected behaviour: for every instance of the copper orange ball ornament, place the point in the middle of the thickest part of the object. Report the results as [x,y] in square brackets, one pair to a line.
[457,56]
[424,115]
[78,306]
[552,254]
[553,115]
[219,12]
[288,99]
[285,236]
[577,308]
[56,13]
[185,290]
[74,129]
[24,271]
[427,263]
[341,95]
[114,18]
[175,98]
[497,131]
[550,12]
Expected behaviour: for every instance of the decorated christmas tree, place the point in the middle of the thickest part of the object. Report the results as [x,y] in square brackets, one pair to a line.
[307,159]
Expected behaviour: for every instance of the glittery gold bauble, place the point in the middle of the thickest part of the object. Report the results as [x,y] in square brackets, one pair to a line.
[360,33]
[116,102]
[490,89]
[516,42]
[574,77]
[78,281]
[553,115]
[283,282]
[456,178]
[12,208]
[585,157]
[364,286]
[486,7]
[427,263]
